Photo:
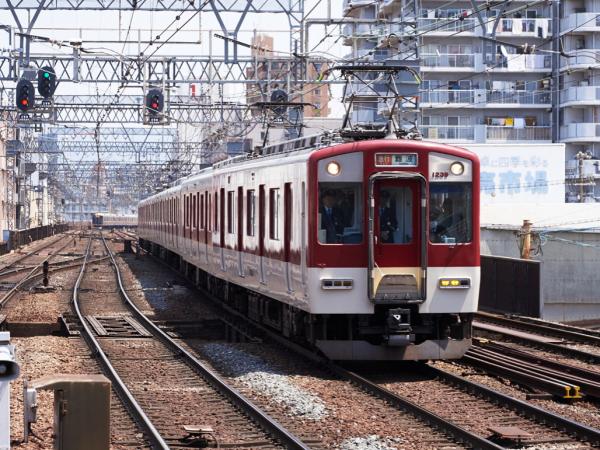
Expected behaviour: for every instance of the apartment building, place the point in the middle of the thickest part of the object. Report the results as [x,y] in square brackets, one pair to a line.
[315,94]
[478,86]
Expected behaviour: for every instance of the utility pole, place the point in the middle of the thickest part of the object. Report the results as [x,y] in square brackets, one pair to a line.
[526,239]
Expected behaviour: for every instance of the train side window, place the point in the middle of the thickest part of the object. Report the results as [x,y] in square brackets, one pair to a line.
[274,207]
[230,212]
[250,212]
[194,210]
[208,210]
[340,213]
[216,210]
[202,224]
[450,213]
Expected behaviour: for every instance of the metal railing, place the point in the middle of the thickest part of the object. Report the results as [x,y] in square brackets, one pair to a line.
[532,133]
[446,24]
[447,60]
[457,132]
[518,97]
[448,96]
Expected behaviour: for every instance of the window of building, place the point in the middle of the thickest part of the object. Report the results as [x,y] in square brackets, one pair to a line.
[230,212]
[250,212]
[274,207]
[450,217]
[340,214]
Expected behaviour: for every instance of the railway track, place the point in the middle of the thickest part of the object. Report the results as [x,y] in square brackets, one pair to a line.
[35,271]
[527,423]
[581,345]
[543,328]
[167,389]
[557,378]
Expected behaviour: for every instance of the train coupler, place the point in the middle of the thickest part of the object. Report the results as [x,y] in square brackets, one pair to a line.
[399,331]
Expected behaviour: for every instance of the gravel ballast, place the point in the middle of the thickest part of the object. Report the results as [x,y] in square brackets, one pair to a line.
[258,375]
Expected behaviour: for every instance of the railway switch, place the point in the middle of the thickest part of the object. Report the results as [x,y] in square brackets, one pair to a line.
[9,370]
[81,410]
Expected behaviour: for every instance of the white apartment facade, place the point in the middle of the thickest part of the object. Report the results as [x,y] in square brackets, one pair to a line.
[476,86]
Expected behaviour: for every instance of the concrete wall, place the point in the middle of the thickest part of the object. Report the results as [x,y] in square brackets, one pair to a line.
[570,269]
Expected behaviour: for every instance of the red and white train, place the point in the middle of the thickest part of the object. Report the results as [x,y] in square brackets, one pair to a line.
[365,250]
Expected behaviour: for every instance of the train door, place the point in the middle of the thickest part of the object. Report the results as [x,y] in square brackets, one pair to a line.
[200,230]
[240,230]
[261,229]
[222,227]
[397,248]
[287,232]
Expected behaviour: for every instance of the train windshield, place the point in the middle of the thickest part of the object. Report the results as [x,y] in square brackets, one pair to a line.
[450,216]
[340,219]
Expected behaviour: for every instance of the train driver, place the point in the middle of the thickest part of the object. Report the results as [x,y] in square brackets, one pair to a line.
[331,218]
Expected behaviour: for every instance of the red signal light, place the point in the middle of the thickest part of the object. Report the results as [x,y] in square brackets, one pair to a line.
[24,102]
[155,105]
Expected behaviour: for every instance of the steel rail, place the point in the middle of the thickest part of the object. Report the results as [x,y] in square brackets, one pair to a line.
[547,346]
[460,434]
[546,329]
[529,410]
[523,374]
[557,325]
[125,394]
[288,439]
[509,358]
[32,252]
[573,427]
[31,274]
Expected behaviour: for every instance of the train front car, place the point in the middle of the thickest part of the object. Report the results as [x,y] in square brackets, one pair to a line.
[393,264]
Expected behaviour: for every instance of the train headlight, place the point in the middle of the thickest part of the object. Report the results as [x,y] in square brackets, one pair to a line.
[334,168]
[455,283]
[457,168]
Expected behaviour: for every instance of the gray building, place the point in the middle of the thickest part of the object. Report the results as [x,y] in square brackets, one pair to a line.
[479,86]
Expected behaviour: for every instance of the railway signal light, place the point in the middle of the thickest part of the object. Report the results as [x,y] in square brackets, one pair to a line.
[155,101]
[25,95]
[46,81]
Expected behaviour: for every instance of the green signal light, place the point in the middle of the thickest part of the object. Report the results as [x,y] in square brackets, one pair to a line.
[46,75]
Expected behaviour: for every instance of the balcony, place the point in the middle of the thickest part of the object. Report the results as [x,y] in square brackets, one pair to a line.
[589,22]
[511,134]
[512,98]
[519,63]
[448,133]
[443,26]
[580,132]
[457,97]
[541,27]
[580,59]
[353,8]
[454,62]
[580,96]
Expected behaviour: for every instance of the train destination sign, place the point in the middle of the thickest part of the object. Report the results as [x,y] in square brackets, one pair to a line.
[396,160]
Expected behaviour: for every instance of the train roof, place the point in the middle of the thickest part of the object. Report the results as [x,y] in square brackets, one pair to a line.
[301,149]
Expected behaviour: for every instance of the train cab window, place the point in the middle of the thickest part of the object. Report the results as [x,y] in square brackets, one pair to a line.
[340,216]
[230,212]
[450,214]
[274,207]
[250,212]
[395,215]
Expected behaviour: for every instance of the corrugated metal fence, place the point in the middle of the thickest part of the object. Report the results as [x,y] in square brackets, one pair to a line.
[510,285]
